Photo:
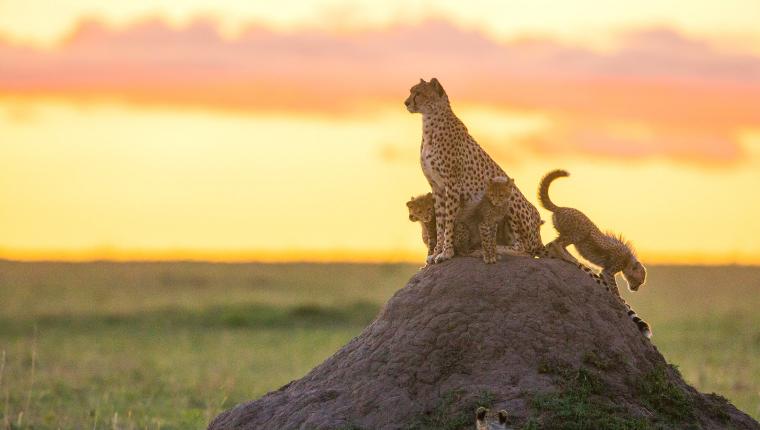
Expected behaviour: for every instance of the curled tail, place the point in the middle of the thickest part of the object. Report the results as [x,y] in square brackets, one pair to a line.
[642,325]
[543,190]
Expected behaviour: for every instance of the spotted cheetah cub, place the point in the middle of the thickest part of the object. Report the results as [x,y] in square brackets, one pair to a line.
[485,420]
[490,214]
[422,210]
[610,252]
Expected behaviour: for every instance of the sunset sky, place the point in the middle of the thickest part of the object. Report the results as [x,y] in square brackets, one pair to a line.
[276,130]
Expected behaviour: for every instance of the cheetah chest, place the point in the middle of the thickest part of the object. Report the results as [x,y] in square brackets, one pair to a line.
[433,176]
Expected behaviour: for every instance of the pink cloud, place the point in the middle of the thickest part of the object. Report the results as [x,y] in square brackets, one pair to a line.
[657,76]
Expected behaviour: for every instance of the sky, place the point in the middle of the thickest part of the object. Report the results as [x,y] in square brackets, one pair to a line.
[274,131]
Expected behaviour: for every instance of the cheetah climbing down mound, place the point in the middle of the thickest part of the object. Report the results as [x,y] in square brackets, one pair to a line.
[606,250]
[609,251]
[459,170]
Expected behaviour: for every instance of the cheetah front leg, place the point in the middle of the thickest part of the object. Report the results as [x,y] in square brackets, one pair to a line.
[516,244]
[429,237]
[449,209]
[488,241]
[439,206]
[609,278]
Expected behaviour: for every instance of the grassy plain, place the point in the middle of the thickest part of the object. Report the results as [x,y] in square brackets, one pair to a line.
[169,345]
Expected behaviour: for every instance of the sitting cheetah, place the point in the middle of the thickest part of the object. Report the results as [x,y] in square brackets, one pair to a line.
[490,213]
[458,171]
[421,210]
[484,420]
[466,232]
[608,251]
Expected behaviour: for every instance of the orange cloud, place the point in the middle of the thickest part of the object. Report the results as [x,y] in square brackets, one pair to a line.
[691,97]
[638,142]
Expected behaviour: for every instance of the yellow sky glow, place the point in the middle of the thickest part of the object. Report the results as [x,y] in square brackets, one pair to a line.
[122,182]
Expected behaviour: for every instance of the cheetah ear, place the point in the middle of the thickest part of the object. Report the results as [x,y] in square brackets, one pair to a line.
[422,81]
[437,87]
[502,416]
[480,414]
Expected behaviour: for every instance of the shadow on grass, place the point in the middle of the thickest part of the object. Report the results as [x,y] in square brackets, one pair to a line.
[226,316]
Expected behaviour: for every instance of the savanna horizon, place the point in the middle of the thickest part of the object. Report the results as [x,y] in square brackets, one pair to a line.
[285,256]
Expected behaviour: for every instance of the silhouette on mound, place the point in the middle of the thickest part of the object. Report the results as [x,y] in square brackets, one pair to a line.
[533,336]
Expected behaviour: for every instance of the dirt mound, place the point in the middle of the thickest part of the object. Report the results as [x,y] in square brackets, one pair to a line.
[535,337]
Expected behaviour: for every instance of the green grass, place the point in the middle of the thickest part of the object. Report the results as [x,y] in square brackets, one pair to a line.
[580,404]
[449,414]
[706,321]
[169,345]
[661,395]
[584,401]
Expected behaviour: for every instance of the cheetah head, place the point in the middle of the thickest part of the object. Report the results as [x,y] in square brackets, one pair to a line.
[635,274]
[421,208]
[426,97]
[484,420]
[499,190]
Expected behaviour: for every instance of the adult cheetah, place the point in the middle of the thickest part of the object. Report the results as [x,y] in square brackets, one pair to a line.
[459,170]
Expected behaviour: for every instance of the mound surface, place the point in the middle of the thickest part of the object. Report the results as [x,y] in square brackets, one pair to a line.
[535,337]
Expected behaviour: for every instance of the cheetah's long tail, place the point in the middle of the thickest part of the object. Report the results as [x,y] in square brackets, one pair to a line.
[543,190]
[640,323]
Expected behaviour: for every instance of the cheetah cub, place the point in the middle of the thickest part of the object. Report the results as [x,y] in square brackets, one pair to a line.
[422,210]
[484,420]
[610,252]
[490,213]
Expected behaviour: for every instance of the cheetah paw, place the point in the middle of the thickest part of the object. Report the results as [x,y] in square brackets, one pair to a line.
[443,256]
